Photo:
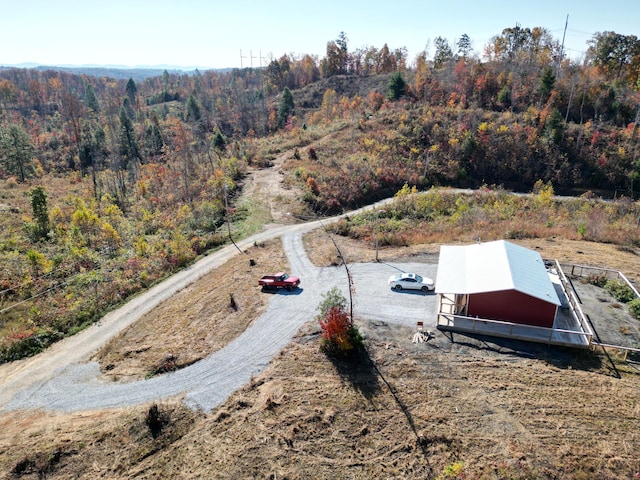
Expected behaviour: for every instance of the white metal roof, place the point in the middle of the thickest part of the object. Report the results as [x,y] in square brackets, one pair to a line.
[493,267]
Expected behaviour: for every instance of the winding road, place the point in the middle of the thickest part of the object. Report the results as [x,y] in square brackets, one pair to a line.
[63,379]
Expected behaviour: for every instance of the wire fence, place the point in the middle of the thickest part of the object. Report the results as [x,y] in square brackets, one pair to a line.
[584,271]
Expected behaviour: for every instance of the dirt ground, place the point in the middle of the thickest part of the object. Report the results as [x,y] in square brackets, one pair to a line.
[208,315]
[453,407]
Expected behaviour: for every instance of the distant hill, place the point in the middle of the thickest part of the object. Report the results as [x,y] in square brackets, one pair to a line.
[114,71]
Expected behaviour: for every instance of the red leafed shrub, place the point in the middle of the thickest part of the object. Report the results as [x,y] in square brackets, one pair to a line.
[335,329]
[313,185]
[340,337]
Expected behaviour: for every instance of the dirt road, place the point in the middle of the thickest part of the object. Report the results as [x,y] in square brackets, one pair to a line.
[69,355]
[62,378]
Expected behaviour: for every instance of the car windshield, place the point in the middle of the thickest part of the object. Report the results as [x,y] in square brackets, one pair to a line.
[285,276]
[418,279]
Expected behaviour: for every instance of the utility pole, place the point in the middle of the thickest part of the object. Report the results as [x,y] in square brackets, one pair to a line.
[378,212]
[241,57]
[566,23]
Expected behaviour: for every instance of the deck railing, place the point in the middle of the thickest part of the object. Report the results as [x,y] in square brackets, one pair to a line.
[585,271]
[574,304]
[519,331]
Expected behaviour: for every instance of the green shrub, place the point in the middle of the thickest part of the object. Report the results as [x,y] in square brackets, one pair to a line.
[342,227]
[27,345]
[634,307]
[599,280]
[619,290]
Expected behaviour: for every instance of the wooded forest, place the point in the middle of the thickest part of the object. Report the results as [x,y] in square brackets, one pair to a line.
[110,185]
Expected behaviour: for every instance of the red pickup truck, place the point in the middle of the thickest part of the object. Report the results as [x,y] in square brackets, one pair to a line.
[279,280]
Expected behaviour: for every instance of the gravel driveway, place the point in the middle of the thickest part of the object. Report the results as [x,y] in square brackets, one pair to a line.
[62,378]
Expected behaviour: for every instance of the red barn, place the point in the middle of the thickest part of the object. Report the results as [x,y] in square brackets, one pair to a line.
[497,281]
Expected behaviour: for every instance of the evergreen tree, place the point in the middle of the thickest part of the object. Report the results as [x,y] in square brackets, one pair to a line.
[153,140]
[128,143]
[342,42]
[554,127]
[504,96]
[464,46]
[193,109]
[396,86]
[90,99]
[285,107]
[132,91]
[128,108]
[92,151]
[547,82]
[443,53]
[40,212]
[16,152]
[337,57]
[219,143]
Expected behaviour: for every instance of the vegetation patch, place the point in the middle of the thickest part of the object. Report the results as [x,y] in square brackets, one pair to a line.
[620,290]
[340,336]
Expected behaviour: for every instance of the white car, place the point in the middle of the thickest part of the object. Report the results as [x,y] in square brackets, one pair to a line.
[411,281]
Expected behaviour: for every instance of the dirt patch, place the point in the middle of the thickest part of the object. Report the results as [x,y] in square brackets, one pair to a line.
[611,320]
[487,410]
[269,186]
[199,320]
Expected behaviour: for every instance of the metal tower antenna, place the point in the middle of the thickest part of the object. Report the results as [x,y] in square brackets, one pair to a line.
[241,57]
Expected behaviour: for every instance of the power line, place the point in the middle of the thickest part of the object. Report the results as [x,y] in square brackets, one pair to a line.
[33,280]
[6,309]
[66,282]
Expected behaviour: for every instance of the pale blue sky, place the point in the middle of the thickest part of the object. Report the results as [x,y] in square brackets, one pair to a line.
[211,34]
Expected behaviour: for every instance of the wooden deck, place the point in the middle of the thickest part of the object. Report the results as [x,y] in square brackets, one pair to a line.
[552,336]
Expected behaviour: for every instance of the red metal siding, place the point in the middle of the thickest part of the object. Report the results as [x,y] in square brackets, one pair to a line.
[512,306]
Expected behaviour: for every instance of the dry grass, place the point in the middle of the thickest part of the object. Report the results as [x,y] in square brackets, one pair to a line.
[197,321]
[488,410]
[463,409]
[419,410]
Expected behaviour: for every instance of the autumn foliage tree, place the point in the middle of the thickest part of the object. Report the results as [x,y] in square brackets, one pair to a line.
[340,337]
[615,54]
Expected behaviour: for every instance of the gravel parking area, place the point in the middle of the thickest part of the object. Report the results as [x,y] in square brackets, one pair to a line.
[376,301]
